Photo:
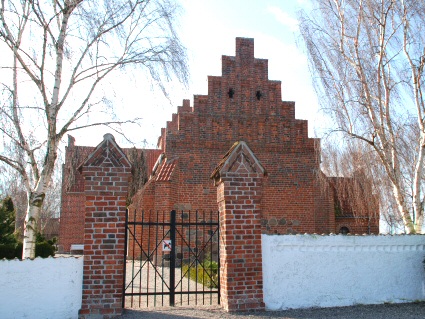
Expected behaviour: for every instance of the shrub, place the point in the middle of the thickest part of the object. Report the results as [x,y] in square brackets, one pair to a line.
[11,251]
[7,223]
[44,249]
[7,251]
[205,273]
[18,250]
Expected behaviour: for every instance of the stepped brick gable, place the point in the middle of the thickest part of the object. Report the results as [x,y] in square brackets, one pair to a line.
[242,105]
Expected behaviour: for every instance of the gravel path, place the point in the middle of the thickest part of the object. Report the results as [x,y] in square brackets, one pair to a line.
[386,311]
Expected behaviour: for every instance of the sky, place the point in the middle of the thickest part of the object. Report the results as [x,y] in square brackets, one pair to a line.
[208,29]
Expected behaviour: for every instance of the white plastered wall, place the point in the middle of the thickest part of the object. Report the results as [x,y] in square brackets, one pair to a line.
[41,288]
[324,271]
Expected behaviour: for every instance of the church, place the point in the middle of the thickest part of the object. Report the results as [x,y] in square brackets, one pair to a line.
[243,108]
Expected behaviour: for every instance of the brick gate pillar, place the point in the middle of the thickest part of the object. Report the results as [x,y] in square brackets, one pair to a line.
[106,176]
[239,179]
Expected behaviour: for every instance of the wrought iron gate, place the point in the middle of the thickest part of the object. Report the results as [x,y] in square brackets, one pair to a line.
[172,259]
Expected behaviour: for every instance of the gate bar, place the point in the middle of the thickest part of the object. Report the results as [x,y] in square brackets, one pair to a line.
[125,258]
[172,257]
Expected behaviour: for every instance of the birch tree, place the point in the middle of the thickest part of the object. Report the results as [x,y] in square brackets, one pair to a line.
[56,56]
[367,58]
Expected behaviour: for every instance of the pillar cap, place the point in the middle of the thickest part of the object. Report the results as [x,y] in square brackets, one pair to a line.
[107,153]
[239,153]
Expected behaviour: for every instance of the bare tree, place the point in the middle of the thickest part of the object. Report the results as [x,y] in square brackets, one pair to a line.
[139,172]
[359,183]
[367,58]
[59,55]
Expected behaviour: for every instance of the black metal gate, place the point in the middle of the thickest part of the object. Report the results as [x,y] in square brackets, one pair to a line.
[172,259]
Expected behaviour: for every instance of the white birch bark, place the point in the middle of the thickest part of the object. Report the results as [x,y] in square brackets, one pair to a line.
[91,40]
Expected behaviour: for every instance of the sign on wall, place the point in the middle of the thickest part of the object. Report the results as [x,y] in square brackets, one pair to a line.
[166,245]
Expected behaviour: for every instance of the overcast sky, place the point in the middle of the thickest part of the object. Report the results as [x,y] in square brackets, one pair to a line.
[208,29]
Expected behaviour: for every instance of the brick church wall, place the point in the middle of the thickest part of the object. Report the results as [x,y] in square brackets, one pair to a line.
[241,105]
[244,105]
[71,229]
[357,225]
[238,154]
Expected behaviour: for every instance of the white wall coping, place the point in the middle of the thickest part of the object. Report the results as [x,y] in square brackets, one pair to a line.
[301,271]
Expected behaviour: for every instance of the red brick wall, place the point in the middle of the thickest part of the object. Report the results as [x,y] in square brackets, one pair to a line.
[324,208]
[357,225]
[199,136]
[71,229]
[239,194]
[107,173]
[356,207]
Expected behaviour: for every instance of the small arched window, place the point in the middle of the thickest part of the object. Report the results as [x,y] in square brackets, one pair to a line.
[258,95]
[344,230]
[231,92]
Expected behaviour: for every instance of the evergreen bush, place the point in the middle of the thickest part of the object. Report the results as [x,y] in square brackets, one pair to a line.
[44,249]
[10,247]
[7,251]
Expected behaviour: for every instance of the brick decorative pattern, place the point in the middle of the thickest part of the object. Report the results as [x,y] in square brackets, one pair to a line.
[106,174]
[239,180]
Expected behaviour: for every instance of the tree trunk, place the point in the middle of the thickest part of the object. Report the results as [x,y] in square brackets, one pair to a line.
[417,200]
[35,203]
[407,219]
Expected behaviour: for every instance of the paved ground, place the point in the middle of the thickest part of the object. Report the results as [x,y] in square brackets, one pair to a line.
[386,311]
